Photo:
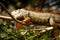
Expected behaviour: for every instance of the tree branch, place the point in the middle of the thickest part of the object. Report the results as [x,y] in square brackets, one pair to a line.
[5,17]
[41,30]
[48,28]
[11,15]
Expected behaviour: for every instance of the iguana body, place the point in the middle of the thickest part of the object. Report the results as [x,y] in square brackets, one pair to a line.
[35,16]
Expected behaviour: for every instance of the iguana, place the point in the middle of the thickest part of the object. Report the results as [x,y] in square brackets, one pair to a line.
[36,16]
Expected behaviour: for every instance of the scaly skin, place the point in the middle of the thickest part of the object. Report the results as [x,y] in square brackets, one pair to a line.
[36,16]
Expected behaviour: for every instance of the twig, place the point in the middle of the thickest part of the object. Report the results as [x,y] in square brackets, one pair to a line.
[41,30]
[5,17]
[10,14]
[48,28]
